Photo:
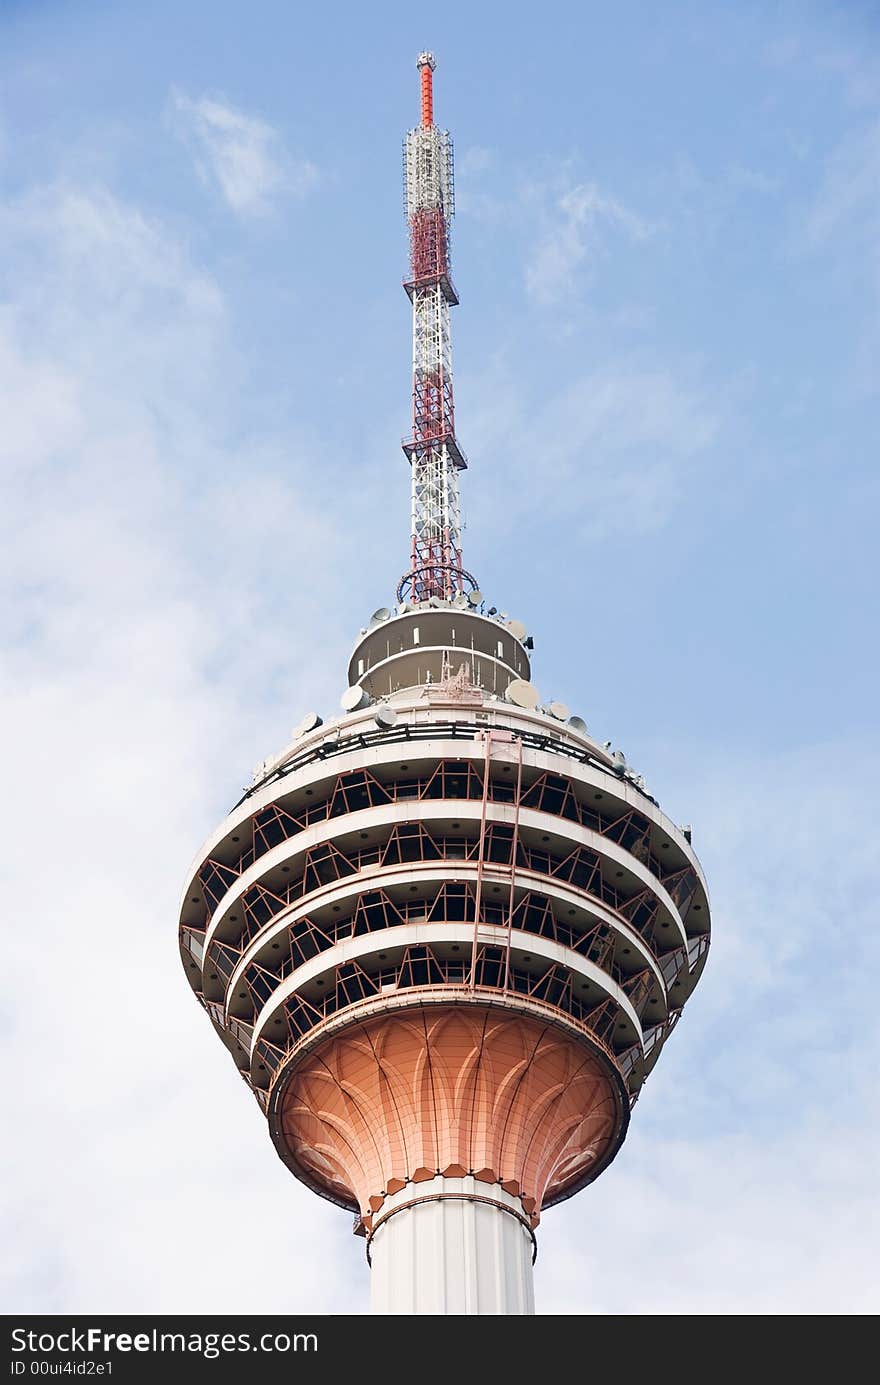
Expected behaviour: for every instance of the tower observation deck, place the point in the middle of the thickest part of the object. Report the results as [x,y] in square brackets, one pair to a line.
[444,935]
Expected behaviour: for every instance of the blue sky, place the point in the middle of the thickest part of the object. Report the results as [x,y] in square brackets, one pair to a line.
[667,246]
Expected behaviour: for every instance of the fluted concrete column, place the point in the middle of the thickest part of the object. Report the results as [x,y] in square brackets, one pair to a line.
[452,1246]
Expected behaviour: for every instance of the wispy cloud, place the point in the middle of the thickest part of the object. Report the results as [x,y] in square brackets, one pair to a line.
[746,1154]
[614,449]
[843,224]
[564,223]
[241,154]
[474,160]
[574,222]
[147,567]
[849,198]
[855,68]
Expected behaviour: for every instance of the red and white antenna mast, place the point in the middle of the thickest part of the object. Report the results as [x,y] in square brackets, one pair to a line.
[433,451]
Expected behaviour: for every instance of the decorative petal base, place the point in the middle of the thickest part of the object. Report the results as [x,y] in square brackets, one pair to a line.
[456,1091]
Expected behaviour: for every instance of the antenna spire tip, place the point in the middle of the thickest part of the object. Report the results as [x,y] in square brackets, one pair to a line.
[426,59]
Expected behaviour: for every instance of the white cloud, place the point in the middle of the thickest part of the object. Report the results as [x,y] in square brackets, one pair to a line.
[843,225]
[750,179]
[607,455]
[573,224]
[151,657]
[850,194]
[240,153]
[566,224]
[475,160]
[741,1187]
[726,1224]
[856,68]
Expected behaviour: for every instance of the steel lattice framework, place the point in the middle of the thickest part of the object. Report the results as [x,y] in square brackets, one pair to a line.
[511,868]
[434,453]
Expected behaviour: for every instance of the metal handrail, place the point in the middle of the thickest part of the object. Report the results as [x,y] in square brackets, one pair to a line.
[405,731]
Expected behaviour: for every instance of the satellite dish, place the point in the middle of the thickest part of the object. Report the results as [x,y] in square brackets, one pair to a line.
[461,600]
[578,724]
[403,608]
[475,597]
[619,762]
[385,718]
[522,694]
[517,629]
[308,723]
[559,711]
[353,698]
[379,616]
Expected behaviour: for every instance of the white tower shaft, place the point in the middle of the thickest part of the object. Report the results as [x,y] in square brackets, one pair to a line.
[452,1246]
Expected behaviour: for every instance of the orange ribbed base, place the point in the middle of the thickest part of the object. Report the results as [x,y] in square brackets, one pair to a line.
[450,1090]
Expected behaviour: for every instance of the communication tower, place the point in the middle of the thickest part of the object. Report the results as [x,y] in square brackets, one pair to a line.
[444,935]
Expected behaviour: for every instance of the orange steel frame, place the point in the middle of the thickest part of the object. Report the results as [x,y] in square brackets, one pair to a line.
[353,984]
[376,911]
[498,846]
[549,792]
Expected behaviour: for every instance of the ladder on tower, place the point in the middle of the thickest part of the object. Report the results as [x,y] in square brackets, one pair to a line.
[510,748]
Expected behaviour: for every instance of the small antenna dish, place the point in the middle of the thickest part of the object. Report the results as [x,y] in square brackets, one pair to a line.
[461,601]
[403,608]
[522,694]
[578,724]
[559,711]
[517,629]
[385,718]
[379,616]
[308,723]
[475,597]
[619,762]
[354,698]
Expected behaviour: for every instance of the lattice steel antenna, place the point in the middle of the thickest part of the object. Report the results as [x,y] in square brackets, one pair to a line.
[433,450]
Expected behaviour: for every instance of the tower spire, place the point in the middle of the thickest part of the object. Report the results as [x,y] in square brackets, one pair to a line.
[433,451]
[426,65]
